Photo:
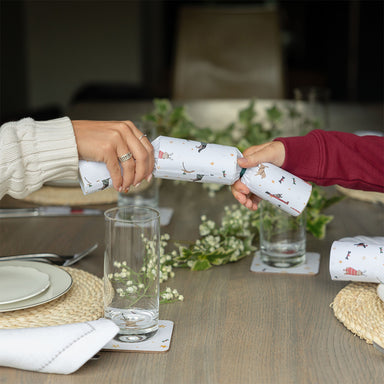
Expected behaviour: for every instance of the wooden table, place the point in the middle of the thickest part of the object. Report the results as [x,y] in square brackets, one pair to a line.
[235,326]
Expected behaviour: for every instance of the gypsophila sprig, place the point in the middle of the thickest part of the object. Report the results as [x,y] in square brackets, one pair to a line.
[134,286]
[170,296]
[217,245]
[167,295]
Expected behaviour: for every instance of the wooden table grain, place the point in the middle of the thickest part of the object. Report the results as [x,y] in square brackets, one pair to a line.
[235,326]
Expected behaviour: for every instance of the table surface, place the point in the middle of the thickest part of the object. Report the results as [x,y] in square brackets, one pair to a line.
[235,326]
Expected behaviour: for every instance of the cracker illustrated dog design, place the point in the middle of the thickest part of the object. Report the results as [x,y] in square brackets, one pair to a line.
[261,171]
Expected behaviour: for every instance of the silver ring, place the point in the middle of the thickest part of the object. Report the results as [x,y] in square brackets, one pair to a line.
[125,157]
[144,135]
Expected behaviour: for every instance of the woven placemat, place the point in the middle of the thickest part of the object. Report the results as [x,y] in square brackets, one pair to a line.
[361,311]
[373,197]
[70,196]
[83,302]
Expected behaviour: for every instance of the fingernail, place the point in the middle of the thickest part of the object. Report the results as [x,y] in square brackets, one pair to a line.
[149,178]
[120,188]
[127,190]
[137,184]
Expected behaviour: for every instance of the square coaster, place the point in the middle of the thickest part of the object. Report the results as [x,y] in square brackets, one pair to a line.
[158,343]
[310,267]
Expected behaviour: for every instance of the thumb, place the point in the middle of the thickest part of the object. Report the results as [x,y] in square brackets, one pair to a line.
[245,162]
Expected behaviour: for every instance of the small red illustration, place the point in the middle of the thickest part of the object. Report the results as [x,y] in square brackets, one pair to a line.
[353,272]
[282,179]
[277,196]
[165,155]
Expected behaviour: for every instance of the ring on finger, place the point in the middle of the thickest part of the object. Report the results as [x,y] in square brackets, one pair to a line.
[125,157]
[143,135]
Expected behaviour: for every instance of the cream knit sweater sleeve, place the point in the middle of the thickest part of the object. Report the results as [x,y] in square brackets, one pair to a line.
[33,152]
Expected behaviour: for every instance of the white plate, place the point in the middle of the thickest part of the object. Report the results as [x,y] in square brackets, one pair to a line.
[21,283]
[60,283]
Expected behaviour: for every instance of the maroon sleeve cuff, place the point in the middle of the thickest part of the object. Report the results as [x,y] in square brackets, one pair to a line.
[299,160]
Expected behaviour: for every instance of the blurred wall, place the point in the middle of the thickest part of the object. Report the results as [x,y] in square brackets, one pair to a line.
[73,43]
[51,49]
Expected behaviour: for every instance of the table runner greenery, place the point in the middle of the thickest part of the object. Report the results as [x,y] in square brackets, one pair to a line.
[233,238]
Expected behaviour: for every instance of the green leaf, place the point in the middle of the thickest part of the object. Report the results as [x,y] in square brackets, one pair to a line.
[274,113]
[201,265]
[317,225]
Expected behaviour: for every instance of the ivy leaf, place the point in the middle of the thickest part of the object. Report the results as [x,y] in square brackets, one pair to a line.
[201,265]
[274,114]
[247,114]
[317,225]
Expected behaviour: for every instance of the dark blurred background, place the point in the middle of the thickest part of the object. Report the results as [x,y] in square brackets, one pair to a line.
[58,53]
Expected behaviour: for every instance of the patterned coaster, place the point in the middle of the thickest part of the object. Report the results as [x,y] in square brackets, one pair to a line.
[158,343]
[310,267]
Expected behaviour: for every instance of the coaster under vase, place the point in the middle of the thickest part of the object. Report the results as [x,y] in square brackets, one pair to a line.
[160,342]
[309,267]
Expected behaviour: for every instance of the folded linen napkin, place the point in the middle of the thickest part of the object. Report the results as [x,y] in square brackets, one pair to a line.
[57,349]
[188,160]
[359,258]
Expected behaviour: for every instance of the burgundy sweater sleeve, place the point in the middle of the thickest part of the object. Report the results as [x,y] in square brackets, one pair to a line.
[328,158]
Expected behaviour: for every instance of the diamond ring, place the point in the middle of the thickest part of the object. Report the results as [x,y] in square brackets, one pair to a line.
[144,135]
[125,157]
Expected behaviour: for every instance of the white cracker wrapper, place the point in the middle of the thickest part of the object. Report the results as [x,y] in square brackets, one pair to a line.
[359,258]
[180,159]
[279,187]
[188,160]
[93,176]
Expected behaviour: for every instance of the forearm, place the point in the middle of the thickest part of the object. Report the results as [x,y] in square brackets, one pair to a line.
[328,158]
[32,153]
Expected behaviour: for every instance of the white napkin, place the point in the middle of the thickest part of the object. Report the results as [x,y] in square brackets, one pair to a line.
[58,349]
[359,258]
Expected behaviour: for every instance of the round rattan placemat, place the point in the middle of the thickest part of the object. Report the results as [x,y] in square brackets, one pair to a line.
[83,302]
[373,197]
[70,196]
[361,311]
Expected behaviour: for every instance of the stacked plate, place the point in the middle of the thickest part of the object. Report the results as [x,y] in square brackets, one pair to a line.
[25,284]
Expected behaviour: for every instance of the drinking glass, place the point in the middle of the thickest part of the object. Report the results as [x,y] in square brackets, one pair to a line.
[131,271]
[282,237]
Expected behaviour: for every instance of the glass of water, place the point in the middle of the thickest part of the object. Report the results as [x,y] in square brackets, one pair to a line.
[131,271]
[282,237]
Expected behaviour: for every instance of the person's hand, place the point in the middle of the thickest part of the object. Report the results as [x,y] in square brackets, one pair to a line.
[106,141]
[273,152]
